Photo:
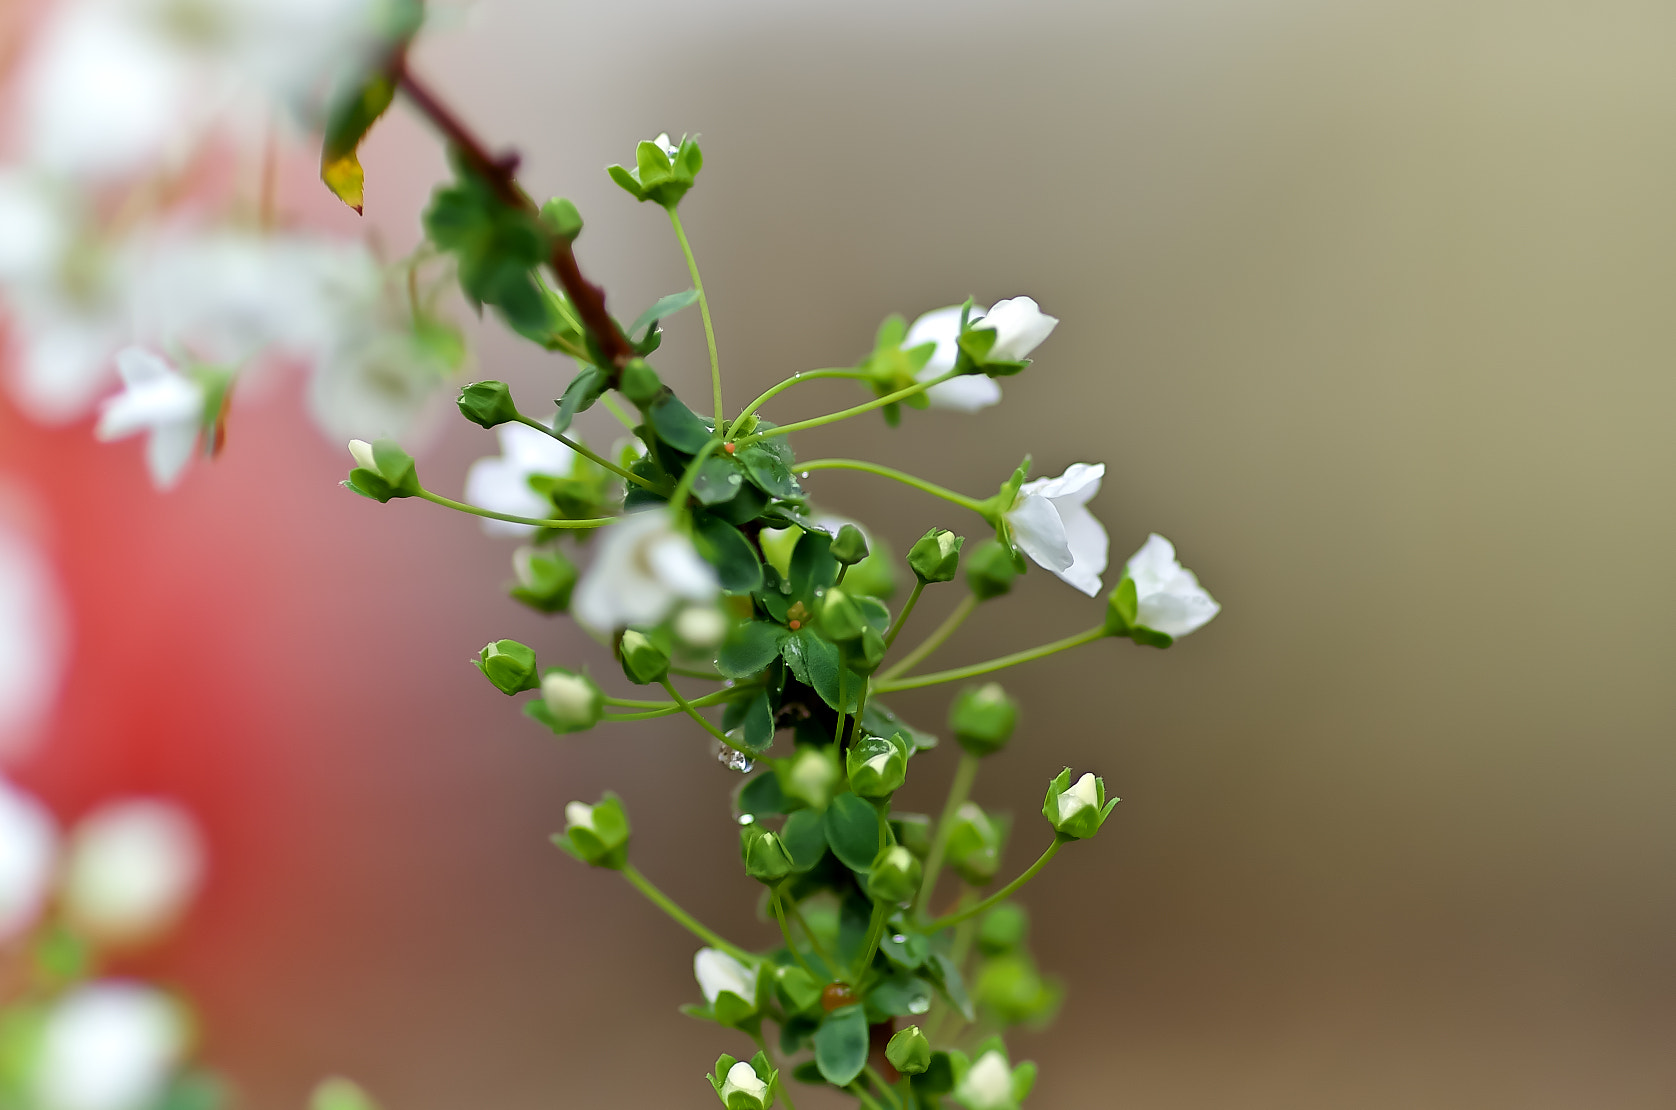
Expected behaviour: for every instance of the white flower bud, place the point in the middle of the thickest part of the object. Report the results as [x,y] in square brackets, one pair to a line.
[572,699]
[132,867]
[108,1046]
[716,972]
[989,1085]
[1080,796]
[361,451]
[1050,522]
[701,627]
[28,842]
[743,1077]
[579,815]
[1019,325]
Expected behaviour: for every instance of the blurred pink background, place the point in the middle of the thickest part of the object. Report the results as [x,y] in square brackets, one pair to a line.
[1366,307]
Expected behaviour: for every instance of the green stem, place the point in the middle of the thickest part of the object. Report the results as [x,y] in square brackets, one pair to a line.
[616,410]
[796,379]
[843,673]
[902,617]
[704,309]
[960,788]
[982,508]
[934,641]
[785,931]
[635,703]
[867,1100]
[879,1081]
[686,920]
[665,708]
[875,934]
[780,1088]
[860,708]
[1017,657]
[832,417]
[1004,893]
[460,506]
[597,460]
[678,499]
[687,707]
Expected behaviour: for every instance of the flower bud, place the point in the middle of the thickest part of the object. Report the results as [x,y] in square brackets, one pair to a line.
[1003,929]
[562,217]
[509,665]
[545,579]
[663,171]
[744,1085]
[488,404]
[810,775]
[765,855]
[640,383]
[131,869]
[913,832]
[869,651]
[991,1083]
[983,718]
[1076,811]
[877,767]
[598,834]
[701,627]
[730,987]
[569,702]
[382,470]
[838,617]
[908,1051]
[895,876]
[974,847]
[936,556]
[849,547]
[643,661]
[1015,992]
[990,570]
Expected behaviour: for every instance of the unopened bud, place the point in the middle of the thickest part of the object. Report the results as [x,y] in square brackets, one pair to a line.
[990,570]
[869,651]
[839,617]
[983,718]
[877,767]
[640,383]
[562,217]
[974,847]
[849,547]
[643,661]
[895,876]
[598,834]
[701,627]
[765,856]
[1076,810]
[509,665]
[488,404]
[908,1051]
[546,579]
[936,556]
[569,702]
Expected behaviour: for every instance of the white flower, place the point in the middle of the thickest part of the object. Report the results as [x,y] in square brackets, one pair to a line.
[108,1046]
[717,972]
[579,815]
[33,642]
[131,868]
[1082,795]
[503,483]
[1170,599]
[988,1085]
[1051,523]
[573,700]
[743,1077]
[1019,327]
[156,399]
[669,148]
[701,627]
[28,843]
[967,393]
[644,567]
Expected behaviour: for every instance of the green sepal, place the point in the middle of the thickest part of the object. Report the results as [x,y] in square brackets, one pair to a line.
[763,853]
[644,662]
[601,839]
[838,617]
[546,579]
[841,1045]
[509,665]
[936,555]
[908,1051]
[938,1077]
[1122,608]
[1084,821]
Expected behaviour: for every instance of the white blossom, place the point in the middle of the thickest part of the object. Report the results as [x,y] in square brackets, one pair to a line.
[502,482]
[1168,595]
[1019,326]
[573,700]
[579,815]
[158,400]
[716,972]
[108,1046]
[968,392]
[644,568]
[743,1077]
[33,640]
[988,1085]
[131,869]
[1051,523]
[701,627]
[28,845]
[1082,795]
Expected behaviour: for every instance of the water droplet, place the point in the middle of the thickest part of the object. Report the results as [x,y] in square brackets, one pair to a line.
[899,939]
[729,682]
[747,819]
[733,760]
[805,474]
[919,1005]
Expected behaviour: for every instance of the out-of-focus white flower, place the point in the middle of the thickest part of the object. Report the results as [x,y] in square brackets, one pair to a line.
[988,1085]
[108,1046]
[1051,523]
[716,972]
[382,386]
[299,50]
[701,627]
[156,399]
[502,482]
[644,568]
[33,640]
[35,229]
[1168,595]
[1019,325]
[28,844]
[967,393]
[130,870]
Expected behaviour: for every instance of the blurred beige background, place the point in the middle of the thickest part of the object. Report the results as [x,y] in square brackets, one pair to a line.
[1369,307]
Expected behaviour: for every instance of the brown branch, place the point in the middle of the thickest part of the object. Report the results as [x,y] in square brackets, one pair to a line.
[501,173]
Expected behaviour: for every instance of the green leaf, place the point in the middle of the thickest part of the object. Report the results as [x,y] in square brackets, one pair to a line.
[759,724]
[750,648]
[769,473]
[804,836]
[761,796]
[719,480]
[347,124]
[815,663]
[579,396]
[677,426]
[899,996]
[873,611]
[663,308]
[853,831]
[946,974]
[880,721]
[812,566]
[841,1045]
[729,552]
[909,953]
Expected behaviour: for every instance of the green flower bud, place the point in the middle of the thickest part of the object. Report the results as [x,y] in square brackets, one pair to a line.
[765,856]
[745,1085]
[1003,929]
[869,651]
[838,617]
[382,470]
[562,216]
[895,876]
[509,665]
[877,767]
[810,775]
[1076,810]
[1013,990]
[983,718]
[569,702]
[640,383]
[663,171]
[546,579]
[974,848]
[909,1052]
[936,556]
[990,569]
[874,576]
[643,661]
[913,831]
[598,834]
[487,403]
[849,547]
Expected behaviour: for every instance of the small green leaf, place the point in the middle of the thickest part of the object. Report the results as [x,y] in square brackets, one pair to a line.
[853,831]
[729,552]
[579,396]
[678,426]
[841,1045]
[761,796]
[769,473]
[719,480]
[347,124]
[804,836]
[663,308]
[759,724]
[812,566]
[815,663]
[750,648]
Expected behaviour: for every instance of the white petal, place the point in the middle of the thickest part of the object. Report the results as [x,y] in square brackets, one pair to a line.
[131,869]
[1019,326]
[1078,485]
[681,569]
[535,451]
[989,1084]
[1177,614]
[28,843]
[1039,532]
[967,393]
[1154,565]
[942,327]
[169,450]
[502,486]
[716,972]
[34,233]
[579,814]
[361,451]
[33,645]
[1090,548]
[108,1046]
[1168,596]
[743,1077]
[642,569]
